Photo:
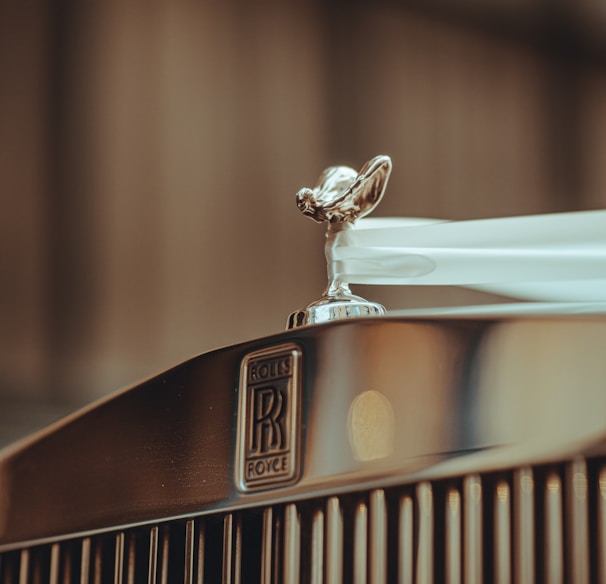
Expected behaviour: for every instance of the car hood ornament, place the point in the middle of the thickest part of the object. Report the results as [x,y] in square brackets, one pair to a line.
[341,196]
[555,257]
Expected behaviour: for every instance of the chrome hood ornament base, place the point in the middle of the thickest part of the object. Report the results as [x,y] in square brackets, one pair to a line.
[341,196]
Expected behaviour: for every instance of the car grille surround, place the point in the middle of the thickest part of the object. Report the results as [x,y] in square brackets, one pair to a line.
[543,523]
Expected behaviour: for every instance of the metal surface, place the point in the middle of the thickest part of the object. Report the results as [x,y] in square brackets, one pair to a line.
[453,523]
[425,548]
[292,544]
[360,547]
[577,543]
[343,195]
[472,539]
[410,533]
[458,397]
[266,546]
[502,533]
[336,303]
[524,525]
[340,198]
[317,548]
[334,541]
[378,537]
[268,428]
[554,530]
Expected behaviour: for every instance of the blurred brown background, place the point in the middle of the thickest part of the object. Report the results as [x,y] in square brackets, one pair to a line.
[150,152]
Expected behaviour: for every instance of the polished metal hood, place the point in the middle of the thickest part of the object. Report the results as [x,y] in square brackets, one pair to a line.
[380,402]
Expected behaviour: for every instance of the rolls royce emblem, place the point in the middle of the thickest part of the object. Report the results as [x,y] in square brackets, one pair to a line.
[267,453]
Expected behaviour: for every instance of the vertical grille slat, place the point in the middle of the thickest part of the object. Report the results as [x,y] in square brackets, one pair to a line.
[54,563]
[601,518]
[453,564]
[267,545]
[577,541]
[317,548]
[545,523]
[152,565]
[425,534]
[334,541]
[360,544]
[237,551]
[24,566]
[405,533]
[227,548]
[502,533]
[232,549]
[201,551]
[119,558]
[164,554]
[85,561]
[189,552]
[292,544]
[378,537]
[472,536]
[524,525]
[554,568]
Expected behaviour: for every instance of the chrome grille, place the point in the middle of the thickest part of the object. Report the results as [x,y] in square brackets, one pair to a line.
[534,524]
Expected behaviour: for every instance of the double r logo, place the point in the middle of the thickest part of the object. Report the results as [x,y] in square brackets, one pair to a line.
[267,424]
[269,418]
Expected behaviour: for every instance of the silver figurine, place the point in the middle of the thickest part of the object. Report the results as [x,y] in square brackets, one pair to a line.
[341,196]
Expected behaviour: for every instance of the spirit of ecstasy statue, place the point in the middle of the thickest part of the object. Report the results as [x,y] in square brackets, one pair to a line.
[341,196]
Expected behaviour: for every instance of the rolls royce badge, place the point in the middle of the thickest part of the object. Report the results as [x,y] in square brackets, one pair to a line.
[269,418]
